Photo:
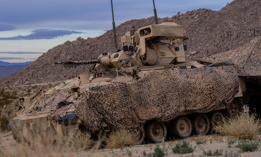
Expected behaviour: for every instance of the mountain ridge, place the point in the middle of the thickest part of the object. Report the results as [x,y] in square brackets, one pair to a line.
[209,32]
[7,64]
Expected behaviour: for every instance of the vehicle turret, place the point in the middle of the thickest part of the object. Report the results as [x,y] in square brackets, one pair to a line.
[160,44]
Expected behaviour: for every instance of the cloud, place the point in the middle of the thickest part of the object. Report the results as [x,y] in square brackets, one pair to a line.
[7,58]
[21,52]
[84,14]
[6,27]
[43,34]
[16,59]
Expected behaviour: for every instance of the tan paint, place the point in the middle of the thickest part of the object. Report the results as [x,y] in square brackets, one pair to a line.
[166,54]
[83,79]
[169,30]
[123,79]
[151,57]
[26,104]
[142,46]
[105,60]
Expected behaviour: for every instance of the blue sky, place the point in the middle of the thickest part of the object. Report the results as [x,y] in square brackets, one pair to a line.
[38,25]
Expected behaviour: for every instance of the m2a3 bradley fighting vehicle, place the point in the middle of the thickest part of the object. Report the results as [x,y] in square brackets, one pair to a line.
[151,48]
[149,61]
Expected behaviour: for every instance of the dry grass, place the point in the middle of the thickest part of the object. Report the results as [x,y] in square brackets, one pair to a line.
[45,142]
[121,138]
[82,142]
[38,148]
[49,144]
[240,127]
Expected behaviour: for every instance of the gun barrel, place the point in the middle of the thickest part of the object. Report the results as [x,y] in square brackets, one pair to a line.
[91,61]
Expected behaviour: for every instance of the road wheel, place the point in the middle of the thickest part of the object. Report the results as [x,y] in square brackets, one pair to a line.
[156,131]
[201,124]
[75,95]
[216,118]
[181,127]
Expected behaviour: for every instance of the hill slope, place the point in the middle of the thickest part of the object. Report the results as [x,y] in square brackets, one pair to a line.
[210,32]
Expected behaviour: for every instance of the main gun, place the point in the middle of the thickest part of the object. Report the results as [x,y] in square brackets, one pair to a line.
[71,64]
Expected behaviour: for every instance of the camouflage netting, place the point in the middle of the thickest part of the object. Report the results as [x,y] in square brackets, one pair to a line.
[130,71]
[54,103]
[247,58]
[161,95]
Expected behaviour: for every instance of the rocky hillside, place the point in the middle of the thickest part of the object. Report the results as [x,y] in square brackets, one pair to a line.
[210,32]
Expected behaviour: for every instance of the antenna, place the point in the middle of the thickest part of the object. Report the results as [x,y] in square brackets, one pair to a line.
[155,13]
[113,25]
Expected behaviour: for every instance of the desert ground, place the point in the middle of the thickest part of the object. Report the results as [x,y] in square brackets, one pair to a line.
[200,143]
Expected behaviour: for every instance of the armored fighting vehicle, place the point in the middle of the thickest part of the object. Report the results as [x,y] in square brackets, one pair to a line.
[145,56]
[145,87]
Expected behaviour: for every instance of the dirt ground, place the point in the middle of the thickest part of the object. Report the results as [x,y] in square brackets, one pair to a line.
[210,142]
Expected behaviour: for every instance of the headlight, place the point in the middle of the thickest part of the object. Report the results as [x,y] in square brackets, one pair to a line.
[21,101]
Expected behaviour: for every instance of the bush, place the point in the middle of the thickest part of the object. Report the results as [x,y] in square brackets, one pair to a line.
[215,153]
[82,142]
[230,142]
[2,91]
[14,95]
[248,146]
[3,123]
[2,103]
[183,148]
[39,144]
[144,153]
[129,152]
[121,138]
[158,152]
[241,127]
[201,142]
[7,101]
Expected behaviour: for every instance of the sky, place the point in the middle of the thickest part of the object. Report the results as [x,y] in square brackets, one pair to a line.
[36,26]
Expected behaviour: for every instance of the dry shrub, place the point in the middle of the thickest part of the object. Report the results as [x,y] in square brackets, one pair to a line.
[3,123]
[82,142]
[38,147]
[43,144]
[240,127]
[121,138]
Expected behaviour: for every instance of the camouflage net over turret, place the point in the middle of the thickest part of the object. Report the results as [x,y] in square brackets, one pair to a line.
[161,95]
[247,58]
